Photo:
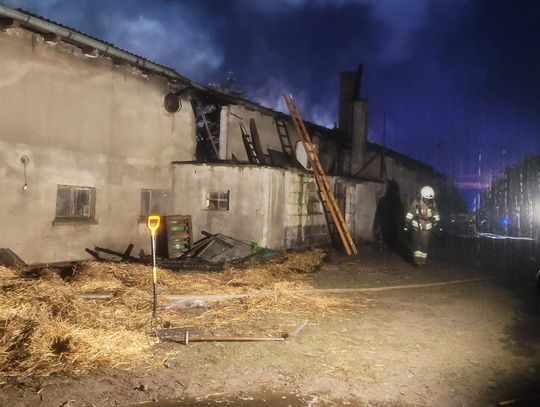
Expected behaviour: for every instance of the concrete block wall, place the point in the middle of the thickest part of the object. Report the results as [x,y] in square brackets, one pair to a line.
[305,227]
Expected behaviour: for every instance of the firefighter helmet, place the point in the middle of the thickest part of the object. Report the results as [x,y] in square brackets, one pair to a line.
[427,192]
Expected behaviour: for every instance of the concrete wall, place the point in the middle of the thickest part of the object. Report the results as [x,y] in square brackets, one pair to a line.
[231,137]
[266,127]
[367,195]
[410,181]
[85,122]
[277,208]
[306,223]
[256,201]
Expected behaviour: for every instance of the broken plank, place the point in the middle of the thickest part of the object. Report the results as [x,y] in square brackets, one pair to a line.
[198,245]
[127,252]
[94,254]
[118,254]
[206,234]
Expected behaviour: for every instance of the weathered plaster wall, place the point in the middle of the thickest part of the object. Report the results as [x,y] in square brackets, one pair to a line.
[410,181]
[276,208]
[367,195]
[257,211]
[85,122]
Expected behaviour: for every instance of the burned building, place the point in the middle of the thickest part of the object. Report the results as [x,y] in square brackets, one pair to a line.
[94,139]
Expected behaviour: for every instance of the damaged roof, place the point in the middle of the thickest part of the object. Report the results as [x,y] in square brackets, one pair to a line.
[70,35]
[403,159]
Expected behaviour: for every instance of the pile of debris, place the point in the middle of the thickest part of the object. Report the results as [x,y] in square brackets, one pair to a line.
[211,253]
[218,248]
[97,314]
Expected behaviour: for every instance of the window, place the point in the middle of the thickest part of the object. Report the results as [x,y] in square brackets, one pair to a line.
[75,203]
[217,200]
[153,202]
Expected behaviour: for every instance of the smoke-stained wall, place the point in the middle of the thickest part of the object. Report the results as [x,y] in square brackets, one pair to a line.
[82,122]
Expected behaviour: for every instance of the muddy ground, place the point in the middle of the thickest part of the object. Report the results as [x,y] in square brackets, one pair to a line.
[467,344]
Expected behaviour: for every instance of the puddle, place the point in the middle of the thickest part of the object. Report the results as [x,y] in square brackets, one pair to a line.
[258,400]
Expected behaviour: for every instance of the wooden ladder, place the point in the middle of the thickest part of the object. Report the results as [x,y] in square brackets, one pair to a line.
[284,138]
[327,197]
[249,144]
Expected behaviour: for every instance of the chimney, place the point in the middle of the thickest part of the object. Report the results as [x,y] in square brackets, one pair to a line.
[352,120]
[349,92]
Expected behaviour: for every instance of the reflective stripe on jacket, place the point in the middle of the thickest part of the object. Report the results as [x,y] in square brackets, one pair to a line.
[423,214]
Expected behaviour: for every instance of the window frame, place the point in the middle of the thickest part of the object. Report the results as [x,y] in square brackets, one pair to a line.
[164,196]
[72,205]
[220,198]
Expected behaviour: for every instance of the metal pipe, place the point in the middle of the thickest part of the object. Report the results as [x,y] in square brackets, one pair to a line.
[235,339]
[214,338]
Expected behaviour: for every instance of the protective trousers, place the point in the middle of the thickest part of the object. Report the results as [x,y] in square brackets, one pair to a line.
[420,245]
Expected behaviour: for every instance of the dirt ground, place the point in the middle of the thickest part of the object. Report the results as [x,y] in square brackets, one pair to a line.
[467,344]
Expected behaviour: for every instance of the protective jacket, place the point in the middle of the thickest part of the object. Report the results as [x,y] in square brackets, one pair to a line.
[423,214]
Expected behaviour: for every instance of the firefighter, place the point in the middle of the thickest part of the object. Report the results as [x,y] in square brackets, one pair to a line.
[422,217]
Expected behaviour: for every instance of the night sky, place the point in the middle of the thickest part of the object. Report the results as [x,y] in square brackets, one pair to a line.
[457,79]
